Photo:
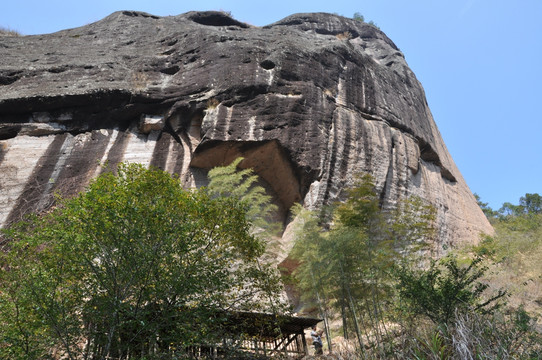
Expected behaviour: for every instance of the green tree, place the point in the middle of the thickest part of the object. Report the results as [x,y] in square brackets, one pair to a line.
[348,263]
[444,288]
[488,211]
[509,209]
[531,203]
[135,265]
[357,16]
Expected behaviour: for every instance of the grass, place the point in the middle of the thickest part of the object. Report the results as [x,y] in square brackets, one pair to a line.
[212,104]
[8,32]
[515,252]
[139,81]
[347,35]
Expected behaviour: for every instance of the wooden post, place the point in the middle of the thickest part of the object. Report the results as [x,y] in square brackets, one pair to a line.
[305,349]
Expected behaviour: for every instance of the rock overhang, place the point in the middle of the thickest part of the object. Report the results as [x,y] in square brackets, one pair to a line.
[303,83]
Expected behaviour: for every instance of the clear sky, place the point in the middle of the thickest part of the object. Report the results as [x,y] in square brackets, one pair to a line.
[480,62]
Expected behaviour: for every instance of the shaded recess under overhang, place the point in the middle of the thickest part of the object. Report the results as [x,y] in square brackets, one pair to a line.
[268,159]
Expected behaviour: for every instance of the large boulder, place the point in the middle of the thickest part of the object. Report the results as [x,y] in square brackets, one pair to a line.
[309,101]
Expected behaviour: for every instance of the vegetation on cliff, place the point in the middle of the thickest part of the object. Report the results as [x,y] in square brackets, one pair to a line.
[8,32]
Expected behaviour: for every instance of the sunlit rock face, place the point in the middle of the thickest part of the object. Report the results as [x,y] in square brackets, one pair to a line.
[309,101]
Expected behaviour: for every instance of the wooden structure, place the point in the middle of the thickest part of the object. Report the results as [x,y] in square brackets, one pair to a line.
[261,334]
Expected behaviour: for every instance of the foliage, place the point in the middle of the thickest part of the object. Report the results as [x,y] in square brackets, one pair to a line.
[518,231]
[135,265]
[8,32]
[475,336]
[516,248]
[371,22]
[242,185]
[347,264]
[412,224]
[445,288]
[488,211]
[443,311]
[531,203]
[361,209]
[357,16]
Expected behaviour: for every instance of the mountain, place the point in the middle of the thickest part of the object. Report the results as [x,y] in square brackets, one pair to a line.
[308,101]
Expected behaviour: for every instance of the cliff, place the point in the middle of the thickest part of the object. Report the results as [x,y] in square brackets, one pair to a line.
[308,101]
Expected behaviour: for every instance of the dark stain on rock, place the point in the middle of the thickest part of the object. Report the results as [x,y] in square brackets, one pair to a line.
[161,151]
[33,192]
[81,164]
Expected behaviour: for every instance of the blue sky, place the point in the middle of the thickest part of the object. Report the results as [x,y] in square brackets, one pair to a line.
[480,62]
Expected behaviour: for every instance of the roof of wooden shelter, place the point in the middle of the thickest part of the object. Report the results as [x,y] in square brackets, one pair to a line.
[268,325]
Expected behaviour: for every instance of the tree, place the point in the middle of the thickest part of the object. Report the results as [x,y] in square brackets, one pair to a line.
[445,287]
[135,265]
[357,16]
[347,258]
[509,209]
[531,203]
[488,211]
[528,205]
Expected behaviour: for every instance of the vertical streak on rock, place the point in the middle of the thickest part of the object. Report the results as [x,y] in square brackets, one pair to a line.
[377,144]
[112,139]
[337,148]
[341,94]
[251,125]
[325,165]
[161,151]
[172,155]
[184,173]
[227,123]
[3,151]
[346,121]
[85,152]
[367,147]
[64,154]
[363,102]
[29,198]
[388,187]
[20,156]
[140,147]
[117,150]
[209,120]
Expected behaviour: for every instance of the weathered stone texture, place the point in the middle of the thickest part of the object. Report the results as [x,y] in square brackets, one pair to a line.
[309,101]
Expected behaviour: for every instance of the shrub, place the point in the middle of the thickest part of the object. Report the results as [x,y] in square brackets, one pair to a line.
[347,35]
[357,16]
[444,288]
[8,32]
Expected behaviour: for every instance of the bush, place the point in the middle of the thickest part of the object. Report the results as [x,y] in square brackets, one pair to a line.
[445,288]
[357,16]
[8,32]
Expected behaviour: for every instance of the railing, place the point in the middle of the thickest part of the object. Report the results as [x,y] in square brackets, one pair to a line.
[291,345]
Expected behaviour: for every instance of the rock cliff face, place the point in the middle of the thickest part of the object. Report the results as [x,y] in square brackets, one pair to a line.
[308,101]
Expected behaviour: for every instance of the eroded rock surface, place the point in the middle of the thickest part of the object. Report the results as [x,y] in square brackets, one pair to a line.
[308,101]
